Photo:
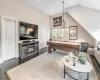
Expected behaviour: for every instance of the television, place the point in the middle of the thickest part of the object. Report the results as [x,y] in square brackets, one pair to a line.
[28,31]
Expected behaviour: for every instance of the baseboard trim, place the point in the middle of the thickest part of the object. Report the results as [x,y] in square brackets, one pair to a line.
[43,50]
[1,61]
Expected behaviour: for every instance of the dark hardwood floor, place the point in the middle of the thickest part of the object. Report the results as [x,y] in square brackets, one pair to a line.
[7,65]
[96,66]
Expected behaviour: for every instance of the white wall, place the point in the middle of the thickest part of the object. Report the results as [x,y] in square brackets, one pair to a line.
[83,35]
[19,10]
[88,18]
[43,36]
[0,43]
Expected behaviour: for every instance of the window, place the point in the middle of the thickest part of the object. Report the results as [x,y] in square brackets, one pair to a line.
[58,33]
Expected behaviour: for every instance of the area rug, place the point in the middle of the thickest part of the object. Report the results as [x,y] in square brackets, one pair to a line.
[44,67]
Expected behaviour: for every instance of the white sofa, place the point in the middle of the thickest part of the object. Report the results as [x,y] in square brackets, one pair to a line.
[95,53]
[90,51]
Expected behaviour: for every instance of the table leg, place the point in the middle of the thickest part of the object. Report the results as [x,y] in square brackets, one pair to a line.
[49,49]
[87,76]
[54,49]
[64,72]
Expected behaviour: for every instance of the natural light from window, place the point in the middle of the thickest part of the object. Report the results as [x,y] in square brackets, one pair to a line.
[58,33]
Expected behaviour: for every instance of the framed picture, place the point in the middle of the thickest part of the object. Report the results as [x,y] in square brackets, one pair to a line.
[57,21]
[73,33]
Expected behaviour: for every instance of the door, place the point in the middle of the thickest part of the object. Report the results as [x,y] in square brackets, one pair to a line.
[42,37]
[8,39]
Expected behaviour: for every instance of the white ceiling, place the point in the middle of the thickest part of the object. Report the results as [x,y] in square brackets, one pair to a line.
[52,7]
[94,4]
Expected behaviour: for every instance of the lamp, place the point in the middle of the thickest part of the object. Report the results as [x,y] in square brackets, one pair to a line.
[63,14]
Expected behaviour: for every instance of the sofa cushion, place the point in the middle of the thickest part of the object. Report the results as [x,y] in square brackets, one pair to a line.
[97,55]
[90,51]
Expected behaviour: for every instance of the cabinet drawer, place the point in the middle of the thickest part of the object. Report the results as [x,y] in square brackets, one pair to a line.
[32,55]
[31,49]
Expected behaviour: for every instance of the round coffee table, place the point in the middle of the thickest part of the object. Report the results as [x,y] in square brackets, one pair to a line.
[77,69]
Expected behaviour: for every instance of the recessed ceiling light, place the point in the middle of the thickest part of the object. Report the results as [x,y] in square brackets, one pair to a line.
[39,0]
[50,9]
[71,1]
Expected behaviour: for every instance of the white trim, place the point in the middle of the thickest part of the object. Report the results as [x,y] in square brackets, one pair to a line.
[1,61]
[8,18]
[16,35]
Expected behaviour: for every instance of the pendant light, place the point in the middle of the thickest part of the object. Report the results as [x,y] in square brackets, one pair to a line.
[63,15]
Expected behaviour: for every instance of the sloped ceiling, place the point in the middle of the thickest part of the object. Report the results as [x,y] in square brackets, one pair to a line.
[94,4]
[88,18]
[52,7]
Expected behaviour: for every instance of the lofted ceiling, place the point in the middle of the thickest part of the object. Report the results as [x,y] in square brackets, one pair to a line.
[94,4]
[52,7]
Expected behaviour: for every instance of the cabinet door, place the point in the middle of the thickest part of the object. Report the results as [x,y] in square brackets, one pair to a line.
[42,37]
[37,46]
[8,39]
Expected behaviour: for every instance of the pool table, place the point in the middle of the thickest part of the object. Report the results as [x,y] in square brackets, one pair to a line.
[64,46]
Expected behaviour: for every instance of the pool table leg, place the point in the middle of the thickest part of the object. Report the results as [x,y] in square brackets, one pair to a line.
[54,49]
[49,49]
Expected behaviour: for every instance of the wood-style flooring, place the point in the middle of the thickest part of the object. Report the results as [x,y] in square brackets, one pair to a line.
[49,57]
[96,66]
